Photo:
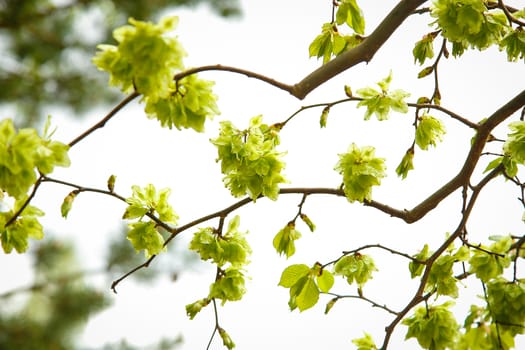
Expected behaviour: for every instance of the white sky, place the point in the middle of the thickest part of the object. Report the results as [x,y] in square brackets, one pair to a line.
[272,38]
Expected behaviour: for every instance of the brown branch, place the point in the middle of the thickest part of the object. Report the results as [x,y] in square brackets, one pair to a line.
[26,203]
[466,171]
[362,297]
[220,67]
[361,53]
[104,120]
[419,294]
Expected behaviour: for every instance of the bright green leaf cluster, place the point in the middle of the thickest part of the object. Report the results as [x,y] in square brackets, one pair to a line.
[507,304]
[230,286]
[489,262]
[331,43]
[144,59]
[232,247]
[424,48]
[356,268]
[434,327]
[514,44]
[305,284]
[350,13]
[486,337]
[416,268]
[468,23]
[144,201]
[429,131]
[26,226]
[230,252]
[22,154]
[514,147]
[365,343]
[190,102]
[284,240]
[441,278]
[249,159]
[144,235]
[361,170]
[382,102]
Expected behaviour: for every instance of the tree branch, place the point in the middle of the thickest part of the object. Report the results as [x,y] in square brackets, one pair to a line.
[361,53]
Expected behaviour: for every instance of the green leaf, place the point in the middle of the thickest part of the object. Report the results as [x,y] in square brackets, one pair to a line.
[230,286]
[148,200]
[301,280]
[322,45]
[361,171]
[111,183]
[490,262]
[307,296]
[441,277]
[226,339]
[145,58]
[382,102]
[514,146]
[194,308]
[365,343]
[249,159]
[514,44]
[188,104]
[424,48]
[67,204]
[284,240]
[425,71]
[22,153]
[325,281]
[429,131]
[16,235]
[407,164]
[324,116]
[292,274]
[308,222]
[144,236]
[232,247]
[507,304]
[356,268]
[416,269]
[330,305]
[350,13]
[434,327]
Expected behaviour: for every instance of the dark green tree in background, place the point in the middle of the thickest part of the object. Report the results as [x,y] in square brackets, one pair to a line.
[46,63]
[47,50]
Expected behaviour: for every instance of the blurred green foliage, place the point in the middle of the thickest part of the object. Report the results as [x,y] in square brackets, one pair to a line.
[47,47]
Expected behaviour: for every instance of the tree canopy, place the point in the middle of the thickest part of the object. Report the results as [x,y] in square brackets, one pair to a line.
[147,63]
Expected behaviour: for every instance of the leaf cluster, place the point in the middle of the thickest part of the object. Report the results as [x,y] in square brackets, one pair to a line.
[229,252]
[144,233]
[331,42]
[23,155]
[382,102]
[305,284]
[249,160]
[144,61]
[361,170]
